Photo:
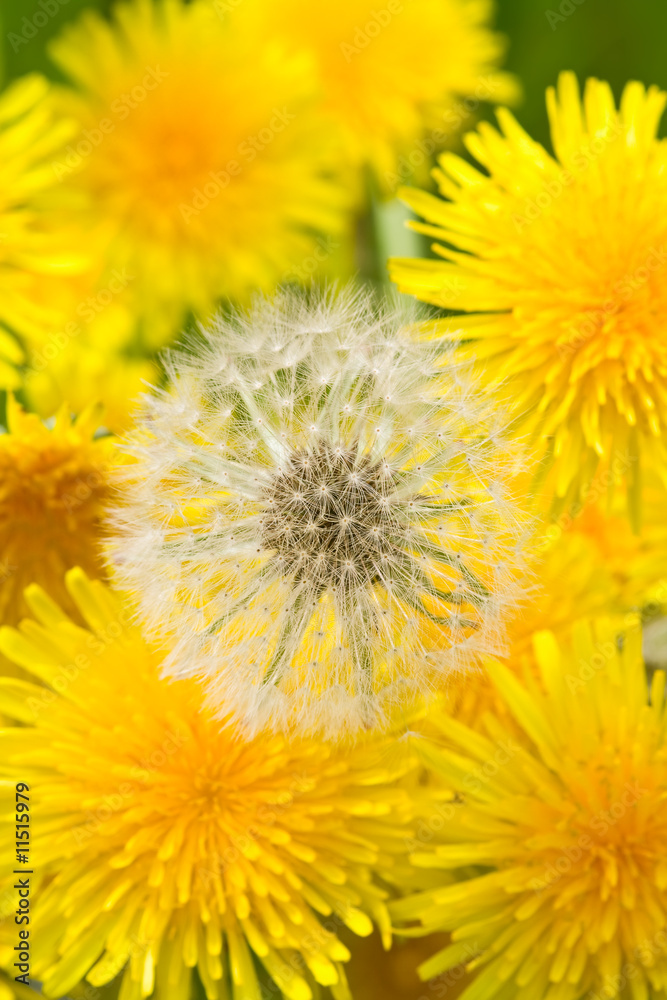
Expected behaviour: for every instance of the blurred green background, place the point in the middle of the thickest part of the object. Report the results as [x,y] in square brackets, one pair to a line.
[616,40]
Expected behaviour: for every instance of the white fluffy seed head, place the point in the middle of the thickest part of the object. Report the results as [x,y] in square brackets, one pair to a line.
[318,518]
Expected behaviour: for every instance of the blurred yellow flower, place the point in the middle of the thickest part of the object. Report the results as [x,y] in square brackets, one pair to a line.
[36,251]
[389,71]
[90,360]
[53,482]
[171,844]
[562,258]
[9,990]
[570,579]
[566,813]
[573,580]
[636,564]
[205,165]
[591,566]
[63,333]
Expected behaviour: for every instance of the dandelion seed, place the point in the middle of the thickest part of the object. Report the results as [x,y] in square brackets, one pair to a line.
[336,512]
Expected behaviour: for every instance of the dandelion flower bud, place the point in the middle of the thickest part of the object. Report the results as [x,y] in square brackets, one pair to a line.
[319,518]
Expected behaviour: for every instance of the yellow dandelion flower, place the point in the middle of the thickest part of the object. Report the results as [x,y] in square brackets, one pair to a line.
[566,814]
[561,259]
[91,362]
[588,566]
[170,844]
[199,150]
[94,353]
[35,254]
[85,372]
[637,564]
[591,565]
[570,579]
[383,79]
[574,580]
[9,990]
[53,482]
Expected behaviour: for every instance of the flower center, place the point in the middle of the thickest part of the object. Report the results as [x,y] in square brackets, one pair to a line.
[329,516]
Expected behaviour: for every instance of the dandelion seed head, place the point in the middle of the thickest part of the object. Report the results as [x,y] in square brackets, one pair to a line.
[348,527]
